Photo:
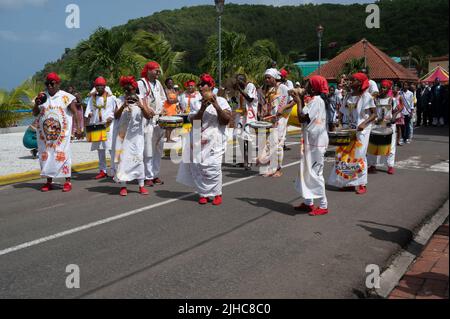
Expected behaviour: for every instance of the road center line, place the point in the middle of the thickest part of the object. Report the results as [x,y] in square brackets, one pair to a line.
[113,218]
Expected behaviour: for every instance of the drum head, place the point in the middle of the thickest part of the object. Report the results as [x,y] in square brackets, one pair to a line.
[171,119]
[261,125]
[382,131]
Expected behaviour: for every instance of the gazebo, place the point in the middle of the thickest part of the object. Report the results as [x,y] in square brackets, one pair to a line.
[380,65]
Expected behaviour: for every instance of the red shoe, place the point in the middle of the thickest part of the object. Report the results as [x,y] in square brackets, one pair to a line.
[319,212]
[157,181]
[46,188]
[149,183]
[361,190]
[217,201]
[101,175]
[143,191]
[123,191]
[67,187]
[203,201]
[372,170]
[391,171]
[304,208]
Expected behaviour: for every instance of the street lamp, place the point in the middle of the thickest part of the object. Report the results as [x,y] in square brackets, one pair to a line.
[320,35]
[220,4]
[365,53]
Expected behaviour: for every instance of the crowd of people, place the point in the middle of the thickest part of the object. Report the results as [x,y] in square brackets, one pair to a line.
[135,139]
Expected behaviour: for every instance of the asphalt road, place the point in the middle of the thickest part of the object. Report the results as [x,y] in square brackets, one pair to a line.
[254,246]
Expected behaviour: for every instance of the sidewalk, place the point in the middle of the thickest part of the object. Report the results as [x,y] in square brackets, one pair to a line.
[17,164]
[428,275]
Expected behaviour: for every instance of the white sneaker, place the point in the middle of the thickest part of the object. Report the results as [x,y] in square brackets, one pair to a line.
[441,121]
[408,141]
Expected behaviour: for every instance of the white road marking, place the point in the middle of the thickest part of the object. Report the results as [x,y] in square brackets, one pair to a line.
[442,167]
[113,218]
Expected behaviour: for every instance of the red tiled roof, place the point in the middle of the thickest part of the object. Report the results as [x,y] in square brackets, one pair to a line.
[439,59]
[380,65]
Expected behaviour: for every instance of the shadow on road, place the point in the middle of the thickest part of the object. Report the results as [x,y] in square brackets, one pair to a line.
[35,186]
[399,235]
[432,131]
[271,205]
[108,190]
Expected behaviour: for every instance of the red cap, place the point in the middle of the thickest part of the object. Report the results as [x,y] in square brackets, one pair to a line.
[207,79]
[100,81]
[126,80]
[150,66]
[53,77]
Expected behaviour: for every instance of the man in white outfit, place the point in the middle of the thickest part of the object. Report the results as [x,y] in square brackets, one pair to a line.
[152,93]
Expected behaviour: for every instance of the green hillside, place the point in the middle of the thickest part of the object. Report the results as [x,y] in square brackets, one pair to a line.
[416,26]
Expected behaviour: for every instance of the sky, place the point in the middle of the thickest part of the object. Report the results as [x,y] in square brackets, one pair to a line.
[34,32]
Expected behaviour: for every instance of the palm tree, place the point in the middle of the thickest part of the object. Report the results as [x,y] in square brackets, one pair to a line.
[352,66]
[148,46]
[106,53]
[9,103]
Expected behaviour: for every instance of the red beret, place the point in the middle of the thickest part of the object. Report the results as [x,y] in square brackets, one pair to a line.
[208,80]
[189,83]
[284,73]
[150,66]
[53,77]
[127,80]
[387,84]
[361,77]
[100,81]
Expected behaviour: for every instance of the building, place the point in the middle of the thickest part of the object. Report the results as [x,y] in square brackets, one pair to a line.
[441,61]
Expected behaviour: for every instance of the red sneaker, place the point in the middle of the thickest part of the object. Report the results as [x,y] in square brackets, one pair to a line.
[143,191]
[203,201]
[123,191]
[319,212]
[391,171]
[304,208]
[217,201]
[46,188]
[149,183]
[361,190]
[157,181]
[67,187]
[372,170]
[101,175]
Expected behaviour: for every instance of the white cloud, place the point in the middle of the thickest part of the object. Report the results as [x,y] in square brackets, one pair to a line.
[17,4]
[10,36]
[41,37]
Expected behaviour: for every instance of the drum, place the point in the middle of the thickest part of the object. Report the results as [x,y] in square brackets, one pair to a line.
[30,139]
[170,121]
[261,126]
[380,141]
[293,117]
[342,137]
[97,132]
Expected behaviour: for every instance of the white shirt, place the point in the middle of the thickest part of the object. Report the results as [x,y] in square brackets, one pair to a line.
[373,87]
[357,115]
[153,94]
[106,111]
[251,107]
[186,102]
[408,102]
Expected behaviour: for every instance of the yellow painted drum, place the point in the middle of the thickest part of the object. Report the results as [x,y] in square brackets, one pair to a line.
[342,137]
[170,122]
[97,132]
[293,117]
[380,141]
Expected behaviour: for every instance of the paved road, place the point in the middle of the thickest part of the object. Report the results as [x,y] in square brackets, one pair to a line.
[254,246]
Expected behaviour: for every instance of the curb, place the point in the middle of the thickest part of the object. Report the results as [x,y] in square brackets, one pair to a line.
[391,277]
[36,174]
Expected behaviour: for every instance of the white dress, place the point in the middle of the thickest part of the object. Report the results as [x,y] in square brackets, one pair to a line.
[310,182]
[129,145]
[100,114]
[350,167]
[386,107]
[203,151]
[54,128]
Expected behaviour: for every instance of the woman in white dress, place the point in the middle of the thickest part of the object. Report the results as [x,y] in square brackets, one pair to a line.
[310,182]
[129,144]
[350,168]
[56,110]
[204,147]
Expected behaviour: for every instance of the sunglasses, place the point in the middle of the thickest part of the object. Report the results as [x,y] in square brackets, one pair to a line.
[51,83]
